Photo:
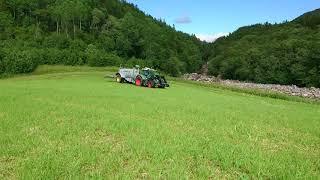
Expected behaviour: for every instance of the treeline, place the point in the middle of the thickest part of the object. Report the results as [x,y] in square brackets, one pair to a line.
[93,32]
[287,53]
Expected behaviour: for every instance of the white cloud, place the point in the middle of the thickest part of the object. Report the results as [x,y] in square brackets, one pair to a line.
[183,20]
[211,37]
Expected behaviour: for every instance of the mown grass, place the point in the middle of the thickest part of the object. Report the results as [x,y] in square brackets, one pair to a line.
[79,124]
[47,69]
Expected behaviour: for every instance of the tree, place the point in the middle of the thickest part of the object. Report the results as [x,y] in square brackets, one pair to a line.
[172,66]
[6,21]
[98,18]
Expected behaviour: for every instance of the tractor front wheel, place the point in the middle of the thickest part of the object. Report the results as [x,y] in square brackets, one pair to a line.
[150,84]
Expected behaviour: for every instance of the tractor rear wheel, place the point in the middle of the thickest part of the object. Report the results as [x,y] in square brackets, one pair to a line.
[150,84]
[138,81]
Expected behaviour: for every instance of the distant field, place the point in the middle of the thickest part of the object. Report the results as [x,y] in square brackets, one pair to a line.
[80,124]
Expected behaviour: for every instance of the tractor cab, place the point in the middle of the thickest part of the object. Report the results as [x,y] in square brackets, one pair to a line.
[149,72]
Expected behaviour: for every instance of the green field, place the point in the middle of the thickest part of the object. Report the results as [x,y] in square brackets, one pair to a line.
[80,124]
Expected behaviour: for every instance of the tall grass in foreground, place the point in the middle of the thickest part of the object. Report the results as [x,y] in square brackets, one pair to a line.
[76,125]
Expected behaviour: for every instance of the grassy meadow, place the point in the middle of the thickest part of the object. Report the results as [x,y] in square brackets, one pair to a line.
[62,125]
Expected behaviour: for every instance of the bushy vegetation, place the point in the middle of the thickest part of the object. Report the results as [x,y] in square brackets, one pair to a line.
[14,62]
[95,32]
[287,53]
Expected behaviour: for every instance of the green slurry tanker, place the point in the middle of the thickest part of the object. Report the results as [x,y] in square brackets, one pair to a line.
[145,77]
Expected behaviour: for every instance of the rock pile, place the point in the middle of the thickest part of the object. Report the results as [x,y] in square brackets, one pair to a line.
[292,90]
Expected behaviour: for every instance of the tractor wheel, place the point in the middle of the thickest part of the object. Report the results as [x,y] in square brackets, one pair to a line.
[150,84]
[119,79]
[138,81]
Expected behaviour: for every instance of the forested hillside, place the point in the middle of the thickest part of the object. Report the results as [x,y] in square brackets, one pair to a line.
[113,33]
[287,53]
[94,32]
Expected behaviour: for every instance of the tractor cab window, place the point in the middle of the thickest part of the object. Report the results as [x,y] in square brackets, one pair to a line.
[150,73]
[145,72]
[156,73]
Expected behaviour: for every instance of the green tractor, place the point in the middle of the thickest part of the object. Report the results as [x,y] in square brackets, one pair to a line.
[145,77]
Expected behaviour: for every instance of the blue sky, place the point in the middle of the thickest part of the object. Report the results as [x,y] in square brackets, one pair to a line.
[210,18]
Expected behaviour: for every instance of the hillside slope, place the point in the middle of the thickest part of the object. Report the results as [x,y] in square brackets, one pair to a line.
[287,53]
[94,32]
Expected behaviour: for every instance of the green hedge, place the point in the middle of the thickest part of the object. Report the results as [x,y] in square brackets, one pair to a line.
[15,62]
[2,66]
[54,56]
[98,58]
[104,59]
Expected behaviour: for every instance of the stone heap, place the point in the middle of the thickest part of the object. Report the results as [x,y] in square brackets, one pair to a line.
[292,90]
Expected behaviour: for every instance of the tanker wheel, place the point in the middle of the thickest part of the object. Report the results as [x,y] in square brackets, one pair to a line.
[138,81]
[150,84]
[119,79]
